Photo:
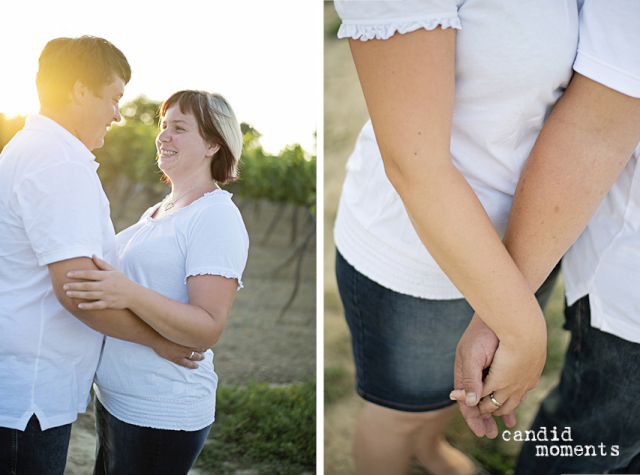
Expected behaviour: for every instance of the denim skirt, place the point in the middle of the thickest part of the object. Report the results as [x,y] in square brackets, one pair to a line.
[404,347]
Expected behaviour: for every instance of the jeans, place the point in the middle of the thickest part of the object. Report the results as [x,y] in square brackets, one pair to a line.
[597,398]
[34,451]
[127,449]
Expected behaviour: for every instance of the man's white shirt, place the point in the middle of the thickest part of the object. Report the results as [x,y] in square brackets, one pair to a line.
[52,208]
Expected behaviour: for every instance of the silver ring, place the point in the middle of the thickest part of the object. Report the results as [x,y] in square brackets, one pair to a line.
[493,400]
[193,353]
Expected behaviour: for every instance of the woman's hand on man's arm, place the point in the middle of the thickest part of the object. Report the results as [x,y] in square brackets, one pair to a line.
[121,324]
[196,324]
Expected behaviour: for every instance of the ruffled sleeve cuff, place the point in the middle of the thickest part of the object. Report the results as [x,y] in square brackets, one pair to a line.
[216,271]
[365,32]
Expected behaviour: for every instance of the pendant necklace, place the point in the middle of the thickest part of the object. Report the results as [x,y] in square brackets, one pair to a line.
[170,204]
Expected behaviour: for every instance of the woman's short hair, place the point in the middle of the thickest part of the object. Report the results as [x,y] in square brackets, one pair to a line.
[93,61]
[217,125]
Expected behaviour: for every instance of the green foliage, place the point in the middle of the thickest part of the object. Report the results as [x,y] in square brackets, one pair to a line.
[142,110]
[274,428]
[286,178]
[9,127]
[128,167]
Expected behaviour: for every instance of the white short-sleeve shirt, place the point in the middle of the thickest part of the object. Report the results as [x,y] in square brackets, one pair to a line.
[52,208]
[605,260]
[513,61]
[133,382]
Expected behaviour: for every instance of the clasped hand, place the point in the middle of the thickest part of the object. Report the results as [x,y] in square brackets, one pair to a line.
[110,288]
[511,367]
[105,288]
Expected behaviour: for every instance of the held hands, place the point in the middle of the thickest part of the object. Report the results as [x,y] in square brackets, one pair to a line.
[514,368]
[107,287]
[180,355]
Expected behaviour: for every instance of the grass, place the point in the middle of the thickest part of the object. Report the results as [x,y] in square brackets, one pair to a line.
[338,382]
[271,430]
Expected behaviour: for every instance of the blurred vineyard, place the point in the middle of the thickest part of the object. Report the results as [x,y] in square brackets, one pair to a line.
[132,181]
[128,166]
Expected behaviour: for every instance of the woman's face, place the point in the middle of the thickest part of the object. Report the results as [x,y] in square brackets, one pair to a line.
[181,149]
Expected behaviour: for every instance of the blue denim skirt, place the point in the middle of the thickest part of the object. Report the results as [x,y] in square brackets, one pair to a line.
[404,347]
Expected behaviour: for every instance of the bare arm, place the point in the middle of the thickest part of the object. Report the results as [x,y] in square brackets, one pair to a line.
[584,145]
[121,324]
[408,84]
[198,323]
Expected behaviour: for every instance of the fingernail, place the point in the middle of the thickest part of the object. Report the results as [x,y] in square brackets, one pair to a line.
[451,397]
[80,305]
[65,287]
[69,274]
[470,398]
[69,294]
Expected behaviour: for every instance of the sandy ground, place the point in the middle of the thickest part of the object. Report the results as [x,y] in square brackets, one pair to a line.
[257,343]
[345,114]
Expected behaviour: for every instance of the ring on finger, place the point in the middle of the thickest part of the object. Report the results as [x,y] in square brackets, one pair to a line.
[193,353]
[494,401]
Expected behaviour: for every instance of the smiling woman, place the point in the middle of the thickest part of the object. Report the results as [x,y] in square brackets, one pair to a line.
[203,245]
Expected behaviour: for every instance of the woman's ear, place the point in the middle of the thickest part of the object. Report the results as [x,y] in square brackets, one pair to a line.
[211,151]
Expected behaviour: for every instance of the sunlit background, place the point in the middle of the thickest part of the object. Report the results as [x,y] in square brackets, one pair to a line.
[261,55]
[264,57]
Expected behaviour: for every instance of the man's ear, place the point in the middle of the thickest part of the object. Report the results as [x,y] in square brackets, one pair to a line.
[211,151]
[79,93]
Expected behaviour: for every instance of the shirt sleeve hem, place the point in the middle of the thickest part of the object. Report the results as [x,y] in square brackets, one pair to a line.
[370,30]
[607,74]
[215,271]
[68,253]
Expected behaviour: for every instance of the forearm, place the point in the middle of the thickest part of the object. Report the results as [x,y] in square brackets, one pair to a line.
[185,324]
[454,227]
[411,107]
[121,324]
[584,145]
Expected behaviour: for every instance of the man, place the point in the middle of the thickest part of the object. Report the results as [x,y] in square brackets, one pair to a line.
[585,153]
[54,216]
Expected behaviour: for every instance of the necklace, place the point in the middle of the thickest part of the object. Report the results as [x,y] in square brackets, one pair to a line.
[170,204]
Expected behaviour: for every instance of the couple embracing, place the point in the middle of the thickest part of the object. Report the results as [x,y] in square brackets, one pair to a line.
[137,312]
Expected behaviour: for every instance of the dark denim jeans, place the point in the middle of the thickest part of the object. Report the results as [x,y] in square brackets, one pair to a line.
[34,451]
[126,449]
[597,398]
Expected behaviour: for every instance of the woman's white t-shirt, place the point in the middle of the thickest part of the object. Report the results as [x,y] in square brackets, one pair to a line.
[132,382]
[513,61]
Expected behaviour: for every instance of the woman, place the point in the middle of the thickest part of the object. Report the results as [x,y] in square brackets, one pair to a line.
[181,264]
[457,93]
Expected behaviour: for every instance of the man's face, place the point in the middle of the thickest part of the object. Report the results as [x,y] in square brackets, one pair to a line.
[100,112]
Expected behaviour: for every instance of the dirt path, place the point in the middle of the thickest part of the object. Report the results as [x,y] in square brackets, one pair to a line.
[257,344]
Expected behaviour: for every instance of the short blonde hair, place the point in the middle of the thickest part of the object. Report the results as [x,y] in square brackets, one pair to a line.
[217,125]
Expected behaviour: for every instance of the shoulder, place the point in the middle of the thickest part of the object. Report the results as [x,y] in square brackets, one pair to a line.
[216,214]
[217,205]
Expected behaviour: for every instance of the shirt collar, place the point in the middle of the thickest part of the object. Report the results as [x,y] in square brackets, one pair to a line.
[43,123]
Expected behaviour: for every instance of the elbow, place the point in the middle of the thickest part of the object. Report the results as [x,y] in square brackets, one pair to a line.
[395,172]
[211,335]
[413,170]
[208,339]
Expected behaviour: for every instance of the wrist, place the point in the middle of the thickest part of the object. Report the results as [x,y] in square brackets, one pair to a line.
[133,295]
[527,331]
